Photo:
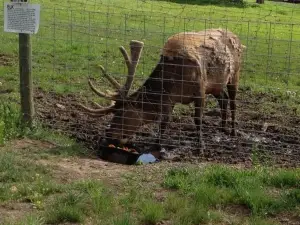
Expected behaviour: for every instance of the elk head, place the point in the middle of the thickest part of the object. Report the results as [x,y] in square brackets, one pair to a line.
[126,118]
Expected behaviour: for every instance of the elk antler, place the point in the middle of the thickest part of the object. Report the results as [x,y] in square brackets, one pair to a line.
[122,92]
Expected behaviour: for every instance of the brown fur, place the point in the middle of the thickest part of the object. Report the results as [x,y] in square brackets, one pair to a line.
[192,65]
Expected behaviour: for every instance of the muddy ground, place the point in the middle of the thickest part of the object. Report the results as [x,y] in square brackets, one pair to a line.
[271,135]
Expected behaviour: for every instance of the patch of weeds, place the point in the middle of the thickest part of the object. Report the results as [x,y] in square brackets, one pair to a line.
[197,214]
[2,131]
[72,150]
[178,178]
[181,110]
[130,199]
[221,177]
[174,203]
[152,212]
[93,199]
[15,169]
[219,186]
[125,219]
[244,187]
[284,178]
[24,180]
[10,122]
[292,198]
[36,191]
[101,200]
[68,148]
[68,208]
[208,195]
[176,182]
[258,201]
[32,220]
[56,137]
[33,192]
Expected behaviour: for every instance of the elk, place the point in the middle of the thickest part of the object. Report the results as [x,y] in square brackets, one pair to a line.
[191,66]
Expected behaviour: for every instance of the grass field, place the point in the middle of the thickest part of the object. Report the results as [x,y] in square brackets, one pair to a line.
[44,183]
[76,36]
[47,178]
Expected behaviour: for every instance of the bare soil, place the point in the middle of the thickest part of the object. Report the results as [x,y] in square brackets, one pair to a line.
[14,211]
[269,134]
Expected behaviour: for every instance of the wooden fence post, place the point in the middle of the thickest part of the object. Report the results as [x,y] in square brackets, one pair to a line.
[26,86]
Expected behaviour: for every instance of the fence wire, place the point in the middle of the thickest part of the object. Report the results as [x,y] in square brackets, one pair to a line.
[76,36]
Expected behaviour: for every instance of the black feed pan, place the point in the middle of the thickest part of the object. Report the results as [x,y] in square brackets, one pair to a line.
[118,155]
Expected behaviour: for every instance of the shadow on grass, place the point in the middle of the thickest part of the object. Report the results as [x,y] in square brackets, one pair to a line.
[75,149]
[225,3]
[60,144]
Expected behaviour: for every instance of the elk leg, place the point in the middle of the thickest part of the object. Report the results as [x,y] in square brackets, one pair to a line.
[199,108]
[162,128]
[223,102]
[165,118]
[232,89]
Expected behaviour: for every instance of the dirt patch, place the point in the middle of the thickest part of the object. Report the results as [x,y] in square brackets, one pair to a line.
[6,59]
[288,219]
[14,211]
[271,136]
[72,169]
[238,210]
[29,143]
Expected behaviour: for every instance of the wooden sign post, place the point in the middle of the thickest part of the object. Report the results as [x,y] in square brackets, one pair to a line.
[23,18]
[26,87]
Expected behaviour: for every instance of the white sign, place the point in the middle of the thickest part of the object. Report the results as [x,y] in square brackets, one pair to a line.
[21,17]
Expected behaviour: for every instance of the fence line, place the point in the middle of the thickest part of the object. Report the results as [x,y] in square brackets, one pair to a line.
[73,40]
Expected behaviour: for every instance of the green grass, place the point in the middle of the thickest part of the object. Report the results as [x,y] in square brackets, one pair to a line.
[189,195]
[152,212]
[220,186]
[10,124]
[67,54]
[32,220]
[23,179]
[192,195]
[69,208]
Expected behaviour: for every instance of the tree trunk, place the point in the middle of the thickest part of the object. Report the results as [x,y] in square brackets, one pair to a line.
[260,1]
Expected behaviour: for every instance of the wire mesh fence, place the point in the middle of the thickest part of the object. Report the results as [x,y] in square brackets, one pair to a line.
[75,37]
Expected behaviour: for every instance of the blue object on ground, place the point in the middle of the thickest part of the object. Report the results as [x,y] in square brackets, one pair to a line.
[146,158]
